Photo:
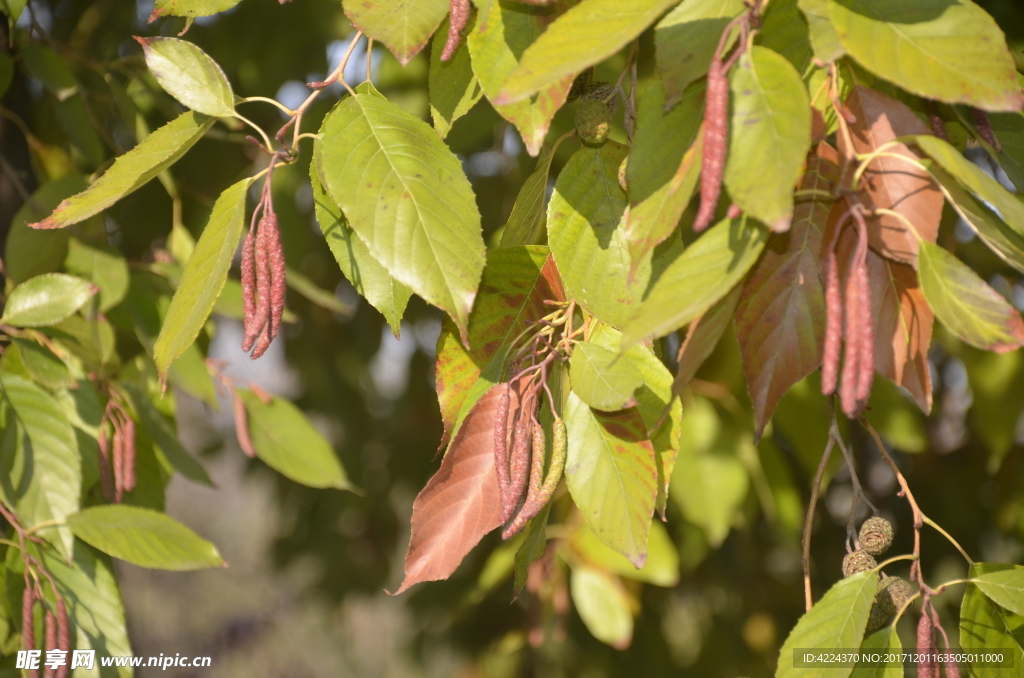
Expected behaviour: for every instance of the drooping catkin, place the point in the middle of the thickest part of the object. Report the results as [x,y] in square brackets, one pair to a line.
[242,427]
[716,135]
[458,17]
[926,666]
[63,634]
[519,465]
[833,325]
[261,316]
[981,121]
[119,454]
[249,290]
[28,625]
[866,337]
[50,642]
[278,279]
[106,481]
[935,120]
[537,457]
[128,431]
[501,443]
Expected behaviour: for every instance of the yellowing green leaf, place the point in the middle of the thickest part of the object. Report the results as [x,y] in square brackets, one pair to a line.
[144,537]
[685,41]
[1005,587]
[503,31]
[40,466]
[770,135]
[984,625]
[189,75]
[132,170]
[825,40]
[661,569]
[190,8]
[46,300]
[404,26]
[45,368]
[949,50]
[612,476]
[405,195]
[601,379]
[526,222]
[367,276]
[285,439]
[965,304]
[588,33]
[453,87]
[691,284]
[836,621]
[104,266]
[204,276]
[602,605]
[590,249]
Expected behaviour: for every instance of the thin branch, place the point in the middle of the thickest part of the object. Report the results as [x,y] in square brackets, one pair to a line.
[809,520]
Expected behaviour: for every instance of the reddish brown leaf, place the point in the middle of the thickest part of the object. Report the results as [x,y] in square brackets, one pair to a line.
[461,502]
[903,322]
[515,284]
[780,319]
[890,183]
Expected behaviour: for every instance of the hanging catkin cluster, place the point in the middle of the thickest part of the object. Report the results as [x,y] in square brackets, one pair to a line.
[117,452]
[263,274]
[848,318]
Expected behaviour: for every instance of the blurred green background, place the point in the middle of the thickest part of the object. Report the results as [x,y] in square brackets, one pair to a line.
[305,591]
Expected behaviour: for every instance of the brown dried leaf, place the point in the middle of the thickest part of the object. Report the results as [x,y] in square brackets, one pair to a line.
[780,319]
[461,502]
[890,183]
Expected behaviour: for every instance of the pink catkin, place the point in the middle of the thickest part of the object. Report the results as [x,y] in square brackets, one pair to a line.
[851,337]
[129,453]
[278,279]
[261,317]
[118,464]
[866,338]
[50,626]
[716,134]
[458,18]
[520,464]
[28,602]
[536,481]
[249,289]
[833,325]
[242,427]
[501,444]
[63,635]
[105,478]
[926,666]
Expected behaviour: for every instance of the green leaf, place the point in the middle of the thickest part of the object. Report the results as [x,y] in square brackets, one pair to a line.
[1009,130]
[405,195]
[367,276]
[504,30]
[975,180]
[784,30]
[691,284]
[40,468]
[602,605]
[46,300]
[965,304]
[661,569]
[189,75]
[949,50]
[285,439]
[836,621]
[600,379]
[590,249]
[452,86]
[163,436]
[663,168]
[526,222]
[825,41]
[144,537]
[49,68]
[685,42]
[43,366]
[884,641]
[29,252]
[95,610]
[190,8]
[131,171]
[1000,237]
[985,625]
[612,476]
[104,266]
[204,276]
[1005,587]
[770,136]
[587,34]
[404,26]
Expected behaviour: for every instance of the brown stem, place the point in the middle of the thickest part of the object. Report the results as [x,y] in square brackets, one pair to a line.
[809,520]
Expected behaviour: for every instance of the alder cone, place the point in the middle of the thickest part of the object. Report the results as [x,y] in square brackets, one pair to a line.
[858,561]
[875,535]
[593,121]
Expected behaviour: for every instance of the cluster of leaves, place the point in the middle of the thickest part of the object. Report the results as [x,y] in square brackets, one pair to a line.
[834,129]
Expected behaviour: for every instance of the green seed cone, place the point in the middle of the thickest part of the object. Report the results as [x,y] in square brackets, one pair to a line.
[875,536]
[858,561]
[593,121]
